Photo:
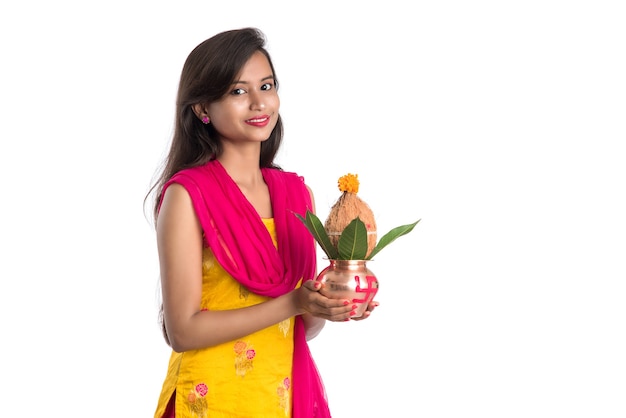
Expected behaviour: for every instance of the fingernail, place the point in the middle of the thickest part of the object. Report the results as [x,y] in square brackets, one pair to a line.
[345,303]
[352,313]
[354,306]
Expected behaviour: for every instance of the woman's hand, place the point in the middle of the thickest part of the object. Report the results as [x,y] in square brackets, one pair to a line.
[309,300]
[368,311]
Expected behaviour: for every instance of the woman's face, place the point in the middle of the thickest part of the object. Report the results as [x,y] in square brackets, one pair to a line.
[249,111]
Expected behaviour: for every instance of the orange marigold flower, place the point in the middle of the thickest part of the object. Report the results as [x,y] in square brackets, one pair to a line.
[349,183]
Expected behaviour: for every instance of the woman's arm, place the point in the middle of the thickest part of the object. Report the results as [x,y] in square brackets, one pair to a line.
[179,242]
[313,325]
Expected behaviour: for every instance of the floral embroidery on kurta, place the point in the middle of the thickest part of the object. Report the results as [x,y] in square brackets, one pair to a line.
[283,395]
[197,401]
[244,356]
[283,326]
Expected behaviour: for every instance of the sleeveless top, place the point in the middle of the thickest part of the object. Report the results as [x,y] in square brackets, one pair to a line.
[267,260]
[247,377]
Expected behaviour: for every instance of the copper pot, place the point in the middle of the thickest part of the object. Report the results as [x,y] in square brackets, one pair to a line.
[349,279]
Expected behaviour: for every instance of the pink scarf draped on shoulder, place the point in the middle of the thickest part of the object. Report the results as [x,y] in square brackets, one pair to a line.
[244,248]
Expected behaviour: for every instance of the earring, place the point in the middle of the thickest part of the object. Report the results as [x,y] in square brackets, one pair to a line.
[205,120]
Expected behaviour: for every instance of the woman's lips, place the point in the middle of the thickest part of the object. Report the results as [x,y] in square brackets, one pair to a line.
[260,121]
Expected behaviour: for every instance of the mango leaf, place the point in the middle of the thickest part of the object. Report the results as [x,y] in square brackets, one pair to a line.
[390,236]
[315,227]
[352,243]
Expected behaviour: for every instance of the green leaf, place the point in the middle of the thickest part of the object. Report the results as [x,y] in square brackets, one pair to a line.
[315,227]
[391,236]
[353,241]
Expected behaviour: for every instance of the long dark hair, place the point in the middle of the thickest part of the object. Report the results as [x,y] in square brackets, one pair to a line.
[207,75]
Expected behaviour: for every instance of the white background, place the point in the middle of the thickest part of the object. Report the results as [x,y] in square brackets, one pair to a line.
[500,124]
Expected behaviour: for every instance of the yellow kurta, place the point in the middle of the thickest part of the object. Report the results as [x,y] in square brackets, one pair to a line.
[247,377]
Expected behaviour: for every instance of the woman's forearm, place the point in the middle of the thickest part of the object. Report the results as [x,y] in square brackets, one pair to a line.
[312,325]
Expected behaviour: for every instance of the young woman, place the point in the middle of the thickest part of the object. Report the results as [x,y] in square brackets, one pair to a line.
[236,264]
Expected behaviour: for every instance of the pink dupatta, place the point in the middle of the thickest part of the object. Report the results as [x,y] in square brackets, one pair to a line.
[244,248]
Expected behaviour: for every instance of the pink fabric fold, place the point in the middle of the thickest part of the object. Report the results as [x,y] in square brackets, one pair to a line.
[243,246]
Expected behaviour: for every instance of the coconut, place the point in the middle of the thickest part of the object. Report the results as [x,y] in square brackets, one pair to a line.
[348,207]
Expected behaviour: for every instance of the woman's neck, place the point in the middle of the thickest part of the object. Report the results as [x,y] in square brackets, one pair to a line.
[249,178]
[243,169]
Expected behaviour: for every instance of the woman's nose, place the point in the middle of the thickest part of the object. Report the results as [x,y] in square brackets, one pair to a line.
[256,102]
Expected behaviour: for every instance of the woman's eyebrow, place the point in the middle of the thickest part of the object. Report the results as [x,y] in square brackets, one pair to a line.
[269,77]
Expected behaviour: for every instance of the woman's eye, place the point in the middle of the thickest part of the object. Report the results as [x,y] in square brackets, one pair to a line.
[267,86]
[237,92]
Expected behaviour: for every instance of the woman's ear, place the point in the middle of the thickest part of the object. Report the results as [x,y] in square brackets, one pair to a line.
[200,110]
